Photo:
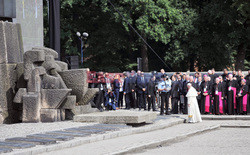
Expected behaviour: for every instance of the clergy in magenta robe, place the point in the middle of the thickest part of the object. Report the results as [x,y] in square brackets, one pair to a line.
[218,96]
[205,88]
[193,108]
[242,98]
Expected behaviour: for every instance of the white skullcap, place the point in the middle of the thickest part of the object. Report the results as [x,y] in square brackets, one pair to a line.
[189,84]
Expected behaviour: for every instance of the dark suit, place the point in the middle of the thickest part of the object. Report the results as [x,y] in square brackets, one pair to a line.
[116,91]
[142,94]
[184,93]
[151,91]
[175,94]
[132,86]
[127,91]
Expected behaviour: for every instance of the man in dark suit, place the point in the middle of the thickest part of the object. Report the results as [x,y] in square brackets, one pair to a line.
[126,90]
[184,93]
[151,92]
[175,95]
[132,86]
[142,87]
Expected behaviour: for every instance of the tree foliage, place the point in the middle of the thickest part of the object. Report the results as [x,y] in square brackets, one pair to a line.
[184,33]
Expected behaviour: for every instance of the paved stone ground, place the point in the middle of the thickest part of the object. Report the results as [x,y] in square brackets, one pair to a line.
[23,129]
[114,146]
[222,141]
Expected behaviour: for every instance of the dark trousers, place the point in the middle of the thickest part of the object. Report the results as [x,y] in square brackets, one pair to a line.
[127,100]
[120,102]
[142,100]
[151,101]
[174,102]
[185,105]
[116,91]
[132,100]
[164,102]
[99,99]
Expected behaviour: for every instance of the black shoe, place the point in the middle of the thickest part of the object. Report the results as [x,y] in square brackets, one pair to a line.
[168,113]
[161,113]
[149,109]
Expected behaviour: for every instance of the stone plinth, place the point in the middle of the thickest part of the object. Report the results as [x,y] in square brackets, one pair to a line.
[117,117]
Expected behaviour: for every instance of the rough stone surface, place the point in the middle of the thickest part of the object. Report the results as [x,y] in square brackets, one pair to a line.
[67,133]
[77,81]
[49,115]
[19,95]
[12,41]
[8,79]
[53,98]
[31,140]
[52,137]
[69,103]
[89,95]
[13,145]
[31,108]
[3,49]
[5,150]
[117,117]
[63,65]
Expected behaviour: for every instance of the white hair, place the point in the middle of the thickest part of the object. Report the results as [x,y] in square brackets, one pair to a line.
[209,71]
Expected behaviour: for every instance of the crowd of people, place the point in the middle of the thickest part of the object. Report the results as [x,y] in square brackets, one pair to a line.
[218,94]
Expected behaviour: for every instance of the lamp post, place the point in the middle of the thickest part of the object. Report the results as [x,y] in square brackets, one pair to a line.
[82,38]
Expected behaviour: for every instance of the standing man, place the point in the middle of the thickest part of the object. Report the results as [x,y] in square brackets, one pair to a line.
[242,98]
[206,107]
[175,94]
[138,76]
[198,89]
[184,93]
[151,92]
[218,96]
[99,98]
[116,90]
[132,86]
[231,87]
[126,90]
[164,88]
[142,87]
[120,102]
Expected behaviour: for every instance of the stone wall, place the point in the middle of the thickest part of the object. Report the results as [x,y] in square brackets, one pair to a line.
[11,56]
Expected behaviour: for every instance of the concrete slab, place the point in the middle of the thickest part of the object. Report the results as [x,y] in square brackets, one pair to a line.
[225,117]
[87,131]
[68,133]
[5,150]
[12,145]
[51,137]
[117,117]
[31,140]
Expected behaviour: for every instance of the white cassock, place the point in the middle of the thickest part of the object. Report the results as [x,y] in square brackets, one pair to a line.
[194,114]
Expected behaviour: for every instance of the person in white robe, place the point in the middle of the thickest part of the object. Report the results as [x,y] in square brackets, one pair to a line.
[194,114]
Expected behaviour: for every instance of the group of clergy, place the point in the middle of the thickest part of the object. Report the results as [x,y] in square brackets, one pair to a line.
[218,94]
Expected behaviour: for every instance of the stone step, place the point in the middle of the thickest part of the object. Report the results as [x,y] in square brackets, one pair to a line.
[51,137]
[68,133]
[5,150]
[87,131]
[31,140]
[225,117]
[13,145]
[103,128]
[118,117]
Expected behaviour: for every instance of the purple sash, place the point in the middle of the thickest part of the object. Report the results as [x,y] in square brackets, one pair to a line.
[244,102]
[220,103]
[207,102]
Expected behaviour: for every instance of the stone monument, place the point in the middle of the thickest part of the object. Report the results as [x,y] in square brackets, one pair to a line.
[34,86]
